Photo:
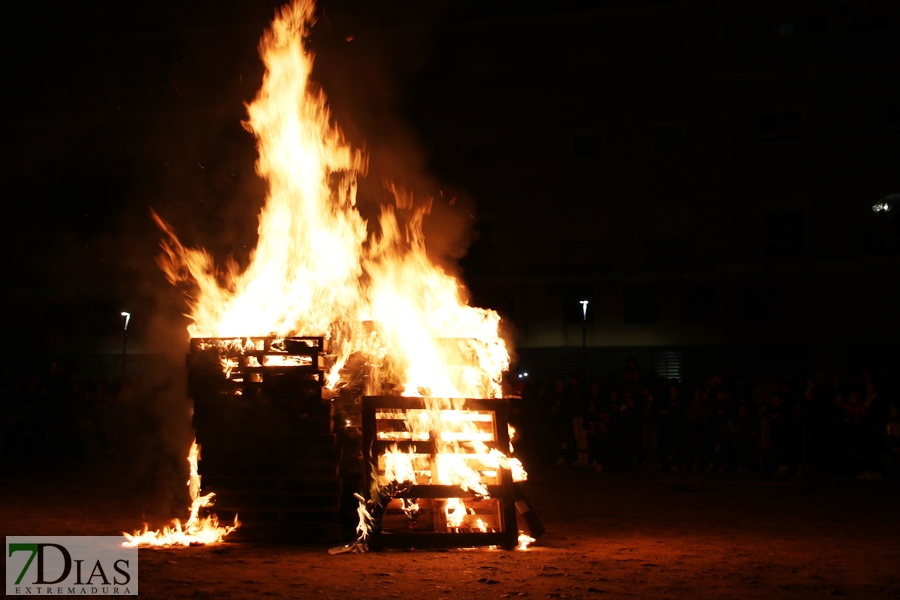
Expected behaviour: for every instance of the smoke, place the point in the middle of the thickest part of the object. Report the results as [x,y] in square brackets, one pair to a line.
[367,56]
[149,433]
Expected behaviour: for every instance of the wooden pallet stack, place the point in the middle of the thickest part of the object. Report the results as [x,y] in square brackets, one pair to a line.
[385,429]
[267,446]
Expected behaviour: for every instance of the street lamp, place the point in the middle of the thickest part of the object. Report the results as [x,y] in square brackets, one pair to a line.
[127,316]
[584,305]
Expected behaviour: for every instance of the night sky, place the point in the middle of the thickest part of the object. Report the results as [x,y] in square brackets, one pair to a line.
[714,155]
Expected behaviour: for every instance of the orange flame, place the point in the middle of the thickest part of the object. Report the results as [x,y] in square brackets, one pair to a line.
[316,270]
[197,529]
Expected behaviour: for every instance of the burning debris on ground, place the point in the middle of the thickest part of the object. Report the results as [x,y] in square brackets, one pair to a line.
[198,529]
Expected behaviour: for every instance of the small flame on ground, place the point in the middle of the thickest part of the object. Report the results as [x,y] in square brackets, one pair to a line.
[365,519]
[197,530]
[524,541]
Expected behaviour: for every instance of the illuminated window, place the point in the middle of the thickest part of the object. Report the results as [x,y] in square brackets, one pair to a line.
[667,364]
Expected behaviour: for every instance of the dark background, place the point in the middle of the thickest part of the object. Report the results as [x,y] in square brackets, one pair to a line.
[702,172]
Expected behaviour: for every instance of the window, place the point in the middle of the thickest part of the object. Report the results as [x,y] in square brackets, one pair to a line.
[641,304]
[699,303]
[783,126]
[668,138]
[784,234]
[480,155]
[759,303]
[788,27]
[587,145]
[667,364]
[665,47]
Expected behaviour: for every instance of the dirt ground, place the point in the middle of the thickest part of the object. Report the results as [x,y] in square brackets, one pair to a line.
[608,536]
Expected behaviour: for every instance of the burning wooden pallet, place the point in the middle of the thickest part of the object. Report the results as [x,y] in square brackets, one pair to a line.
[267,446]
[415,447]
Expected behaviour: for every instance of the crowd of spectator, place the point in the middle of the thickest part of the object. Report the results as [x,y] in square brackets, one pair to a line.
[50,416]
[725,421]
[55,418]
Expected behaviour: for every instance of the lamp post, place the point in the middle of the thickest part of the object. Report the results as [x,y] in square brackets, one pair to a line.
[125,338]
[584,305]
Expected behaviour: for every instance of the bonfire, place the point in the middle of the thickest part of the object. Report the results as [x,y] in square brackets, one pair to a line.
[370,289]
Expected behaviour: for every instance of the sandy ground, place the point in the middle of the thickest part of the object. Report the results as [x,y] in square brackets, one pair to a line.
[608,536]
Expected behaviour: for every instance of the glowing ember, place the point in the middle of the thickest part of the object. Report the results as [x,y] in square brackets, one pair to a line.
[524,541]
[197,529]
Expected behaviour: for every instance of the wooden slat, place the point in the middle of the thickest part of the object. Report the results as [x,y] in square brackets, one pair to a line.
[504,493]
[447,491]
